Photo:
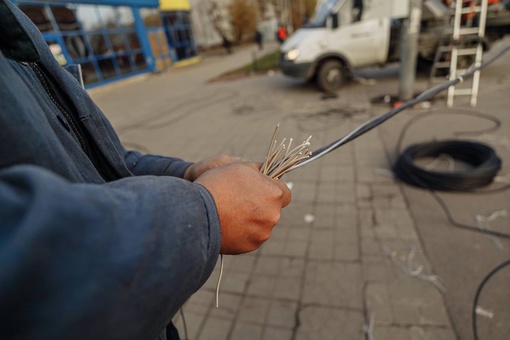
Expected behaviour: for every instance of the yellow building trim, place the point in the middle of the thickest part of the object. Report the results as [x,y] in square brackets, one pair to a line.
[187,62]
[174,5]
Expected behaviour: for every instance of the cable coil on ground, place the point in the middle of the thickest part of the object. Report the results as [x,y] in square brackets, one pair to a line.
[483,160]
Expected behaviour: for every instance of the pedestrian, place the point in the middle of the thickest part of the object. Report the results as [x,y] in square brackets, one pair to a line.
[281,34]
[98,242]
[227,44]
[259,40]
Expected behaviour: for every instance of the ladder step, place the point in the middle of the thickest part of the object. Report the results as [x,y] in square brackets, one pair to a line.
[463,92]
[442,64]
[445,48]
[474,9]
[469,30]
[466,41]
[466,51]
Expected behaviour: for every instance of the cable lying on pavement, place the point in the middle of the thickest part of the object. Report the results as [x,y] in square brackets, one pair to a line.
[479,291]
[483,161]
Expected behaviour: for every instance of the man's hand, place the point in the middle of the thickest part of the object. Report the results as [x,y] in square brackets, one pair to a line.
[196,169]
[248,203]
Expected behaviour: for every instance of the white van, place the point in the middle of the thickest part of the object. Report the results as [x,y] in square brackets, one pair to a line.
[348,34]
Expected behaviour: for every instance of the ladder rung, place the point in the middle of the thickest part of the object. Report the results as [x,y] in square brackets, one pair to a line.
[474,9]
[469,30]
[445,48]
[466,51]
[462,92]
[442,64]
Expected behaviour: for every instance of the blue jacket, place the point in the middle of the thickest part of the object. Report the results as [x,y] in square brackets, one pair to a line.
[96,242]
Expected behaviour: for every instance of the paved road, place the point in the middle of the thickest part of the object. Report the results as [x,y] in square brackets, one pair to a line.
[325,278]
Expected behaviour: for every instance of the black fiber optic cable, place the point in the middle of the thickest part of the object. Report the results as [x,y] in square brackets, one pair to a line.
[484,163]
[479,291]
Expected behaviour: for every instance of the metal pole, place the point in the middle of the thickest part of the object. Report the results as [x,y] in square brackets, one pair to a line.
[290,24]
[409,34]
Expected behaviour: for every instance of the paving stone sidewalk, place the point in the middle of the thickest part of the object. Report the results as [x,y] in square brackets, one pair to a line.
[345,262]
[330,277]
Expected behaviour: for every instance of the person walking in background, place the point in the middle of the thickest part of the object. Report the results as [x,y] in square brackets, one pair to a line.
[281,34]
[259,39]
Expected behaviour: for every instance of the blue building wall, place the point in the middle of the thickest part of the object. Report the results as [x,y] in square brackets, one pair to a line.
[111,39]
[133,3]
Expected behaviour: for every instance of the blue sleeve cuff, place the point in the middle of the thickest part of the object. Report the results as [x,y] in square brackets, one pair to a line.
[155,165]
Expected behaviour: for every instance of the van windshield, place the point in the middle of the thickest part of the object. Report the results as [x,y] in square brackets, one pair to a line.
[321,13]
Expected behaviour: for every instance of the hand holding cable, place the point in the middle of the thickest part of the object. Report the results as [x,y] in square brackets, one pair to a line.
[248,203]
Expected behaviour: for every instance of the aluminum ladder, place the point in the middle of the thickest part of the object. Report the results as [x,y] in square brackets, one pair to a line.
[463,39]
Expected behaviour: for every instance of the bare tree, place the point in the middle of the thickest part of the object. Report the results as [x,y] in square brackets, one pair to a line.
[262,8]
[243,16]
[218,20]
[277,8]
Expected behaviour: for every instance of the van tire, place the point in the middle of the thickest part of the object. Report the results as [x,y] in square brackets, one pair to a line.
[331,76]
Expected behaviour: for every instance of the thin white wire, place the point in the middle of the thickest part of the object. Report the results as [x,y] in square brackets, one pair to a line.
[407,268]
[482,223]
[219,282]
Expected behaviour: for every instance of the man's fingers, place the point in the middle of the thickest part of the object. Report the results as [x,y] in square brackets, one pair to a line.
[285,191]
[254,165]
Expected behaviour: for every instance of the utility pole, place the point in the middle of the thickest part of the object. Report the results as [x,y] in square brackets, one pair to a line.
[409,33]
[290,24]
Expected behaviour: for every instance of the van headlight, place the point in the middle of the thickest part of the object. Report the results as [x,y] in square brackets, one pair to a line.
[292,54]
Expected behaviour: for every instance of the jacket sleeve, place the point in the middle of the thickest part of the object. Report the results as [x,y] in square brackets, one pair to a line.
[140,164]
[146,164]
[117,259]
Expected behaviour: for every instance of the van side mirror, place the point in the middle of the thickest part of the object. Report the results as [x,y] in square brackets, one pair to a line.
[332,21]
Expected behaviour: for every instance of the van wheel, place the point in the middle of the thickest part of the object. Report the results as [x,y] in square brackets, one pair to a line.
[331,76]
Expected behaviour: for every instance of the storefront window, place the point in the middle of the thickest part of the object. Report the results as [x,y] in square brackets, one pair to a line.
[39,17]
[75,44]
[140,61]
[151,17]
[124,63]
[134,42]
[179,33]
[65,18]
[98,44]
[108,16]
[107,68]
[118,42]
[126,18]
[56,50]
[88,17]
[103,39]
[89,73]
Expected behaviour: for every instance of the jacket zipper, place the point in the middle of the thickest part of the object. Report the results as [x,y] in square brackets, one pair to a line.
[66,114]
[103,167]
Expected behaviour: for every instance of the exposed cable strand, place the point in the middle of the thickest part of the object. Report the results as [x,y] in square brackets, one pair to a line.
[282,159]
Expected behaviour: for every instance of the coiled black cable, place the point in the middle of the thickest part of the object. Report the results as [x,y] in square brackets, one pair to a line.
[483,161]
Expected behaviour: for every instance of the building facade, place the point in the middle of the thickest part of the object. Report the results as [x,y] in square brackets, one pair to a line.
[114,39]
